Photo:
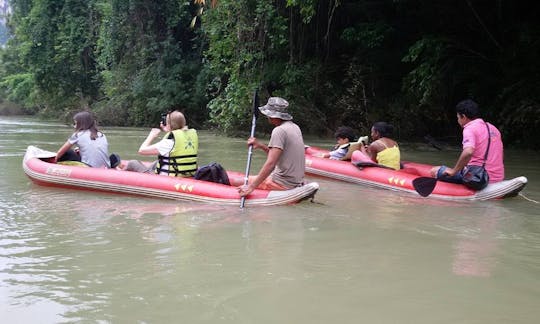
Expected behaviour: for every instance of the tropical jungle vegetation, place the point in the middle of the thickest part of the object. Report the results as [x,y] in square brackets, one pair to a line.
[338,62]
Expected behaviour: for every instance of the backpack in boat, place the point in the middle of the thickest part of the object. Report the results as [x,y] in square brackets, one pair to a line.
[212,172]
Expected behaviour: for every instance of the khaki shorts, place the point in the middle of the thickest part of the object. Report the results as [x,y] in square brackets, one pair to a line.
[138,166]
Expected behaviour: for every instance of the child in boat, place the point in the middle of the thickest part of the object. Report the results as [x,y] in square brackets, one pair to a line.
[344,136]
[93,145]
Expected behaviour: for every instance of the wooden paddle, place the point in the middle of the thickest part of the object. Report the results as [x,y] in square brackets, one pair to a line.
[424,185]
[252,134]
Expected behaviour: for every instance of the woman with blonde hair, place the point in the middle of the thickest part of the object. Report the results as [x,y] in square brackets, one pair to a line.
[176,151]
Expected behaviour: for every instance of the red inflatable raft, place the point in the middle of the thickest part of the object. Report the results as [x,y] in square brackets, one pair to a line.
[44,173]
[411,179]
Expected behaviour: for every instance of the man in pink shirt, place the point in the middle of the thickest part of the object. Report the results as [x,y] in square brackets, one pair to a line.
[475,144]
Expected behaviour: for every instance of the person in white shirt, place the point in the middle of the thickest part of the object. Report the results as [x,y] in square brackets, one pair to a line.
[176,151]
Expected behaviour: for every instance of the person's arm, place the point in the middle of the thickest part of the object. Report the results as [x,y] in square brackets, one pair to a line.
[273,157]
[335,153]
[257,145]
[462,161]
[147,148]
[67,145]
[371,150]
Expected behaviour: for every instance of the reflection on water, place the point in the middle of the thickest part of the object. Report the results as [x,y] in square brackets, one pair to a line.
[476,247]
[354,255]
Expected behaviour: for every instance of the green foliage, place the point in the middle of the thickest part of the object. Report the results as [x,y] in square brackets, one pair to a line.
[301,89]
[20,88]
[307,8]
[153,68]
[370,35]
[242,35]
[337,62]
[424,81]
[127,60]
[230,110]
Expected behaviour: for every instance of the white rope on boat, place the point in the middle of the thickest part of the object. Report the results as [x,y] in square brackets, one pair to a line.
[527,198]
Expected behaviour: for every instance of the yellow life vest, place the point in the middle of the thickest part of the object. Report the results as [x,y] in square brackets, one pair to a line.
[182,159]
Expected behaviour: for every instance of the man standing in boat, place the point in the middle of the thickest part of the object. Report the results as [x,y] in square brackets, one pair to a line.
[285,163]
[475,143]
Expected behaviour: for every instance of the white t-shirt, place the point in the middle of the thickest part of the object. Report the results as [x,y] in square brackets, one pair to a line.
[165,146]
[340,152]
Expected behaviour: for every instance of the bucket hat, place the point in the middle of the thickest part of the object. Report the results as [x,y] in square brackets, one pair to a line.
[276,108]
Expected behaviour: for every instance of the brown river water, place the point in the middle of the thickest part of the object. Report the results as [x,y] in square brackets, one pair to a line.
[354,255]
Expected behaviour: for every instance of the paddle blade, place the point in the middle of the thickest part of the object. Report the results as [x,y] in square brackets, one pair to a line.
[424,185]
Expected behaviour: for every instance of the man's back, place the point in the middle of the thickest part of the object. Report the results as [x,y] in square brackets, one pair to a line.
[475,135]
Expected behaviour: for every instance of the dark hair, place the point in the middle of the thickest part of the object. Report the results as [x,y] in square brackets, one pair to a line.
[469,108]
[345,132]
[85,121]
[383,128]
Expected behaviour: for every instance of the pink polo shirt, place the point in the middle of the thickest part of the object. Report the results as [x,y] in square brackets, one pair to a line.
[475,136]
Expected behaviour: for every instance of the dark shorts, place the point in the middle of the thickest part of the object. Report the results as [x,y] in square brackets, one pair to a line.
[456,178]
[70,155]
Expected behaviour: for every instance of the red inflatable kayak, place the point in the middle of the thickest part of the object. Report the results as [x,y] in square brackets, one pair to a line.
[414,178]
[44,173]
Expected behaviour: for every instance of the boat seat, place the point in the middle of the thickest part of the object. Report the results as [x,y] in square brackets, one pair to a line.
[73,163]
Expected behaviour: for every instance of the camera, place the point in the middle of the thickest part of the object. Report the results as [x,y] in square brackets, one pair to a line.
[164,119]
[364,140]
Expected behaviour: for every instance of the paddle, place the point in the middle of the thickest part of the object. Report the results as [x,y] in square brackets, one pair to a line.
[424,185]
[362,164]
[252,134]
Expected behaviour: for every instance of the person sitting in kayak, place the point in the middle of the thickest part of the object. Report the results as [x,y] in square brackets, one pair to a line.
[344,136]
[176,151]
[383,150]
[93,148]
[477,133]
[284,167]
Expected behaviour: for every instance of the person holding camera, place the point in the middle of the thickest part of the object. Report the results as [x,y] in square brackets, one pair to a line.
[176,151]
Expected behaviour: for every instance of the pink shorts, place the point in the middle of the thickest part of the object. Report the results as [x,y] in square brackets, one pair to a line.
[359,156]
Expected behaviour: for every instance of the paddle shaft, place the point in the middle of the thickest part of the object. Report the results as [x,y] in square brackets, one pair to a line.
[250,149]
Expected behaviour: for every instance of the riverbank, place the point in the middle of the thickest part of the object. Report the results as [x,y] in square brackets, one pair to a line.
[8,108]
